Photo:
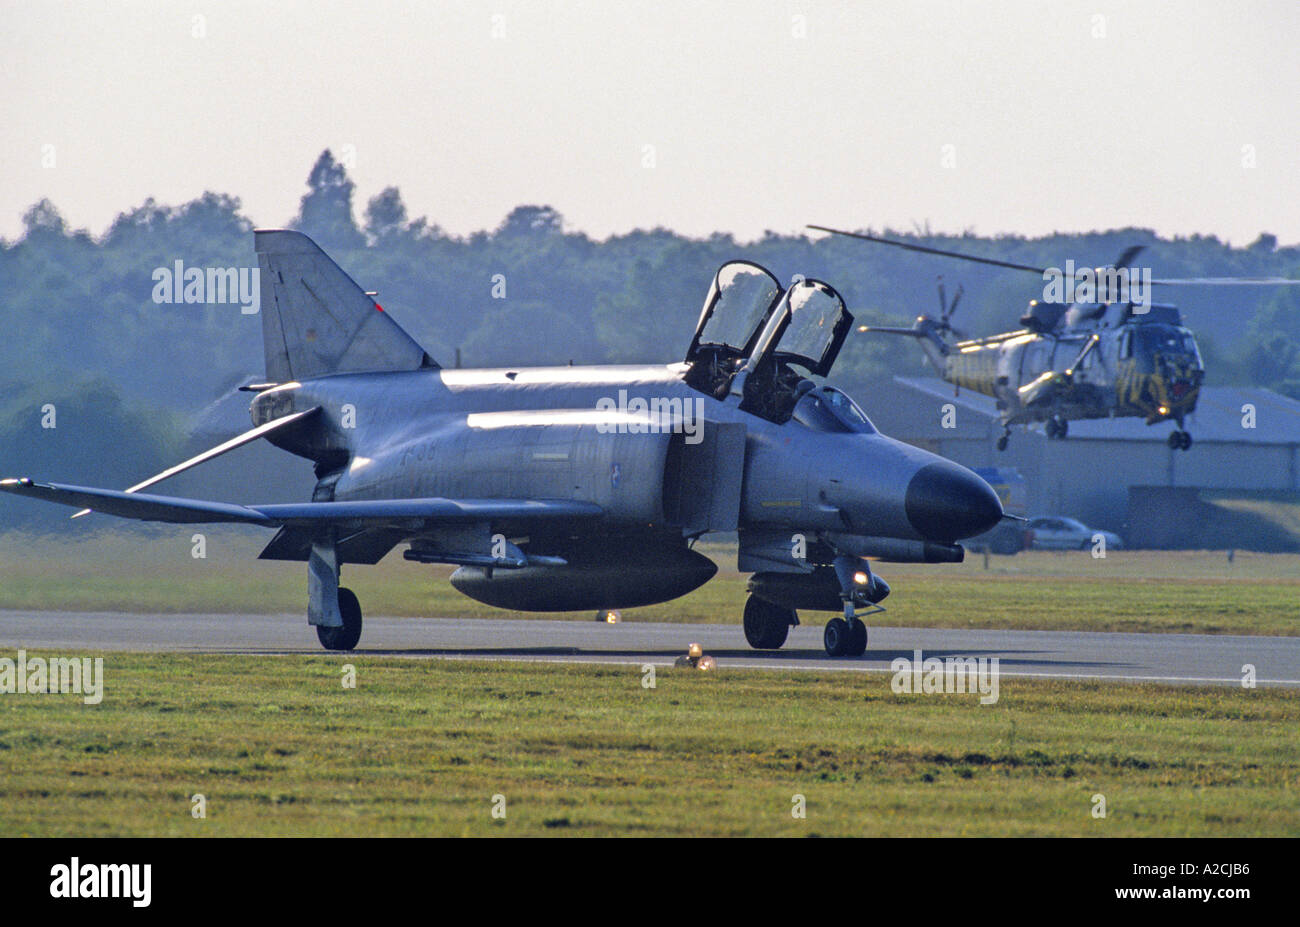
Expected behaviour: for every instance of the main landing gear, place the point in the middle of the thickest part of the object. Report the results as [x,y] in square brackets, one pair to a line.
[346,637]
[1180,440]
[1057,428]
[767,625]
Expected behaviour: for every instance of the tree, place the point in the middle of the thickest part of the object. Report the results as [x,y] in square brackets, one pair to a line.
[386,214]
[326,211]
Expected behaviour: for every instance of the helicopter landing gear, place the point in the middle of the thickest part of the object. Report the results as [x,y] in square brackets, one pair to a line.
[1180,440]
[1057,428]
[1002,441]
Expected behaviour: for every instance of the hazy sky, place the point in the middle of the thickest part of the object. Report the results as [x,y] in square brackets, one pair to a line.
[693,115]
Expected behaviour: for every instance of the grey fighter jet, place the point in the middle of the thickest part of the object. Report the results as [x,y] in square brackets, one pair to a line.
[573,488]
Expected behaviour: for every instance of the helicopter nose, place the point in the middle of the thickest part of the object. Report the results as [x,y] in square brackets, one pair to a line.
[946,502]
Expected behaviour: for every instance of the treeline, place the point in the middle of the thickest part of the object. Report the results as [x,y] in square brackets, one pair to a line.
[83,327]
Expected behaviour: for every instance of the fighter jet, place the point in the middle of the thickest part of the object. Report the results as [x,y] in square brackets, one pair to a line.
[578,488]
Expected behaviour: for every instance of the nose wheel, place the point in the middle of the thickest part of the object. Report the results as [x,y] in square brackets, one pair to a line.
[1180,440]
[845,637]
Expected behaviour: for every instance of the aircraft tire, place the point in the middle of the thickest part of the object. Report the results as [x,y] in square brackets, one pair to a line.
[837,638]
[767,625]
[859,639]
[346,637]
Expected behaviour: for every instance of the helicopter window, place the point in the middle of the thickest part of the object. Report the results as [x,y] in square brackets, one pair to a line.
[1161,340]
[828,409]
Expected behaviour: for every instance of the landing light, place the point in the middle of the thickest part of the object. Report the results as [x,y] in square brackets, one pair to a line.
[860,578]
[1163,410]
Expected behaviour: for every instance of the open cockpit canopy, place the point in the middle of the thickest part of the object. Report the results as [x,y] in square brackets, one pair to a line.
[752,330]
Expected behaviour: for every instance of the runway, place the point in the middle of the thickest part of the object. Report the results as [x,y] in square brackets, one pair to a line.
[1187,659]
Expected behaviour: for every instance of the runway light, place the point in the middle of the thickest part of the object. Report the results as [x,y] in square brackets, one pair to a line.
[609,616]
[707,663]
[860,578]
[694,651]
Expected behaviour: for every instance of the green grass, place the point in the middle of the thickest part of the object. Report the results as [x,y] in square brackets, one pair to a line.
[1127,591]
[278,746]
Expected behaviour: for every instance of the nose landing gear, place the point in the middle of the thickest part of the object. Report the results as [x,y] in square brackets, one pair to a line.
[847,636]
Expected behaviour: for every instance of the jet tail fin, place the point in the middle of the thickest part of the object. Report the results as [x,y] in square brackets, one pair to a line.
[316,320]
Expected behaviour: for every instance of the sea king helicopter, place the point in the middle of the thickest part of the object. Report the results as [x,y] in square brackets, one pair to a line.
[1095,346]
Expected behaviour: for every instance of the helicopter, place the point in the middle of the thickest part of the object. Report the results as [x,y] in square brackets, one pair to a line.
[1095,346]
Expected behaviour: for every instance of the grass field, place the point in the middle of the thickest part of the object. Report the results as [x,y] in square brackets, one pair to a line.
[278,746]
[1127,591]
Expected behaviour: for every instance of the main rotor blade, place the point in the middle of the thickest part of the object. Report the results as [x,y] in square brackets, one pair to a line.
[1128,254]
[926,250]
[1225,281]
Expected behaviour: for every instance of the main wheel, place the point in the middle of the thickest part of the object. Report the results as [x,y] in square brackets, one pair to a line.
[1002,443]
[1186,442]
[1175,440]
[346,637]
[837,638]
[767,625]
[1062,428]
[858,642]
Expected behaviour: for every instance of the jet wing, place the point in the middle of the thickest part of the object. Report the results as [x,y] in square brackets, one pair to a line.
[416,513]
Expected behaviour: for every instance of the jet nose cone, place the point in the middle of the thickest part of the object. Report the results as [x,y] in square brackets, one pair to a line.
[946,503]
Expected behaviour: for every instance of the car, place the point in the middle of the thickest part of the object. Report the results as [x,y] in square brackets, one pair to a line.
[1060,533]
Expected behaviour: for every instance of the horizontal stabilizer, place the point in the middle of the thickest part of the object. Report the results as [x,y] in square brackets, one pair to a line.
[142,506]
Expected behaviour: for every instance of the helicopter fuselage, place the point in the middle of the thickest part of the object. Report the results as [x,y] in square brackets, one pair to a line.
[1149,369]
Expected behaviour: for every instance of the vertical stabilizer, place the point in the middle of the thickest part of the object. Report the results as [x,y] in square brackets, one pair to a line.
[315,319]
